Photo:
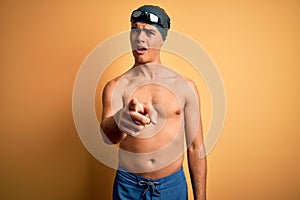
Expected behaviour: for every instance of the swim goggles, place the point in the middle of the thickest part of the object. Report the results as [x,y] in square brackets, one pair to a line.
[147,17]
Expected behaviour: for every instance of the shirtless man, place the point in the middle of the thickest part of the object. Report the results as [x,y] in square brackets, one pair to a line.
[153,114]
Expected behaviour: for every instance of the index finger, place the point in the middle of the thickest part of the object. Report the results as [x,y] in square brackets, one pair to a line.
[136,106]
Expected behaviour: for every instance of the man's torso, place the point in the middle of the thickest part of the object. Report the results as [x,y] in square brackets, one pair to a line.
[158,150]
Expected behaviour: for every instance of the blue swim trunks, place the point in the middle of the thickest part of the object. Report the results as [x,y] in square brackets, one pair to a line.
[128,186]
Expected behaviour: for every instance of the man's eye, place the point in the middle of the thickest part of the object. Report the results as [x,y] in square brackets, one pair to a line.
[150,32]
[135,30]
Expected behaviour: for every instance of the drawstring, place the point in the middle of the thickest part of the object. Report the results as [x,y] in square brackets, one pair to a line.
[150,185]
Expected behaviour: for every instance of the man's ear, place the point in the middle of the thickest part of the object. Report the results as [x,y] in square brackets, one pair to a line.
[162,42]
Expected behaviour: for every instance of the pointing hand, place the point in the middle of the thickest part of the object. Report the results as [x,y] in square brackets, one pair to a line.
[135,116]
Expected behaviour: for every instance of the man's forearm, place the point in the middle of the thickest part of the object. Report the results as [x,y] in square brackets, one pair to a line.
[111,131]
[198,171]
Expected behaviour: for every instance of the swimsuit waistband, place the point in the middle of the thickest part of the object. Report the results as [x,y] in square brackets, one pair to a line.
[168,181]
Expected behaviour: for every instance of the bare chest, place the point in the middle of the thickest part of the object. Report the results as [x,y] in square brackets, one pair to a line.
[159,96]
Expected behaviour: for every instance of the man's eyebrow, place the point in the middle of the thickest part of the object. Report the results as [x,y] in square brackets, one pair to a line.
[145,28]
[150,29]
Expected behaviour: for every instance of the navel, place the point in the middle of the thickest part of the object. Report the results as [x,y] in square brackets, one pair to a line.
[152,161]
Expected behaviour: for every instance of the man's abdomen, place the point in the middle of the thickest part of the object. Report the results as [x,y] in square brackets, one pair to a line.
[156,156]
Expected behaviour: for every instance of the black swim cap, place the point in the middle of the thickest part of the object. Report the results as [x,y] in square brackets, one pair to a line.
[163,25]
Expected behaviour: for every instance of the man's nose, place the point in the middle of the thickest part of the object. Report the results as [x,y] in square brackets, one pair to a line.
[141,37]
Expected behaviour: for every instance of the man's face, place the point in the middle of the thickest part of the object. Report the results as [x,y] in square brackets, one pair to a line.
[146,42]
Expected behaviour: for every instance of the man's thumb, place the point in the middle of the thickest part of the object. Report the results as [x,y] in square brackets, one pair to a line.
[153,115]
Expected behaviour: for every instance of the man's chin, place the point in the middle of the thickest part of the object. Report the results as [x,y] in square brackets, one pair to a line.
[141,59]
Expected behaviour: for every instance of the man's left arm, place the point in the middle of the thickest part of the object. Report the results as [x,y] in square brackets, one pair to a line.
[195,143]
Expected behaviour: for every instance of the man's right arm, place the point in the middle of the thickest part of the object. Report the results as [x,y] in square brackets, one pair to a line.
[130,119]
[109,129]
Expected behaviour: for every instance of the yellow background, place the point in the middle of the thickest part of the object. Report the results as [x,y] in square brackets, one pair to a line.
[255,45]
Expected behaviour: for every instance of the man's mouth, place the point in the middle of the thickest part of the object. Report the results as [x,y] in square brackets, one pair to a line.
[141,50]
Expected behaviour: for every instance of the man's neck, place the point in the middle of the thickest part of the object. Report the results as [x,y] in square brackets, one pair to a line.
[158,62]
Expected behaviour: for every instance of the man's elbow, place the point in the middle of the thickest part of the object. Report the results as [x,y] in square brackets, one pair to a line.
[196,150]
[106,139]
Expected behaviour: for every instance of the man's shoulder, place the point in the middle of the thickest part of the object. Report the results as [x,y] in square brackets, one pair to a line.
[116,82]
[110,85]
[190,82]
[182,80]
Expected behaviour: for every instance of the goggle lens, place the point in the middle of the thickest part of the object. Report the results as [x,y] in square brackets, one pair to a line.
[153,18]
[150,17]
[136,13]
